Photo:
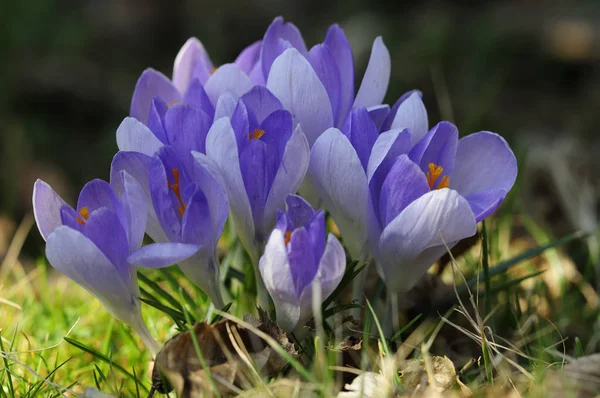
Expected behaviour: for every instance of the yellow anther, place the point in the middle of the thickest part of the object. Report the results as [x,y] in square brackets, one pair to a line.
[433,174]
[256,134]
[84,213]
[169,105]
[287,237]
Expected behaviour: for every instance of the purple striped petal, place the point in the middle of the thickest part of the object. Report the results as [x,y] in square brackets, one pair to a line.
[134,136]
[413,240]
[134,200]
[225,106]
[379,114]
[299,211]
[195,95]
[328,72]
[97,194]
[187,127]
[377,76]
[303,266]
[438,147]
[341,51]
[261,101]
[196,223]
[249,57]
[46,208]
[404,183]
[411,114]
[279,36]
[362,133]
[388,122]
[159,255]
[191,62]
[156,116]
[75,256]
[297,86]
[151,84]
[229,78]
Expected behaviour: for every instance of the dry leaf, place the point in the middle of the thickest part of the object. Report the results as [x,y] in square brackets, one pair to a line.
[368,385]
[414,375]
[579,379]
[234,355]
[282,388]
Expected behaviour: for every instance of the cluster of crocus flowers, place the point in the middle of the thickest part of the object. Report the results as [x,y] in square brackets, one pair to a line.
[239,141]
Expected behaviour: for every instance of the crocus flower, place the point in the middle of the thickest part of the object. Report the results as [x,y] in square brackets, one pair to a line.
[262,159]
[430,196]
[317,85]
[297,256]
[338,169]
[195,80]
[93,243]
[186,201]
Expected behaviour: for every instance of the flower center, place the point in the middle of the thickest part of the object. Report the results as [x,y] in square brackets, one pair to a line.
[174,102]
[256,134]
[176,190]
[84,213]
[434,174]
[287,237]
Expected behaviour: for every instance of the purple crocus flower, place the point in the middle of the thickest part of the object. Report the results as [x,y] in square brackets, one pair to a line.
[317,85]
[262,159]
[435,192]
[186,201]
[93,243]
[195,80]
[297,256]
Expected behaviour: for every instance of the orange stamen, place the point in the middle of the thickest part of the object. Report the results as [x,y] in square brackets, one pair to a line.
[256,134]
[176,189]
[173,103]
[214,69]
[287,237]
[84,213]
[433,174]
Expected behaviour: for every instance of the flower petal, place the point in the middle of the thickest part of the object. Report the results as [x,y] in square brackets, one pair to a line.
[362,133]
[229,78]
[138,166]
[328,72]
[422,224]
[97,194]
[379,114]
[341,51]
[74,255]
[485,203]
[337,173]
[196,95]
[196,223]
[46,208]
[151,84]
[261,102]
[187,127]
[438,146]
[332,266]
[191,55]
[134,136]
[163,254]
[158,108]
[299,211]
[275,271]
[404,183]
[249,57]
[225,106]
[210,182]
[303,266]
[221,148]
[203,269]
[272,46]
[290,174]
[411,114]
[297,86]
[134,200]
[484,161]
[377,76]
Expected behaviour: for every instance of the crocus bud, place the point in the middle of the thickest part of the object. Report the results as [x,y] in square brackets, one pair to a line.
[299,256]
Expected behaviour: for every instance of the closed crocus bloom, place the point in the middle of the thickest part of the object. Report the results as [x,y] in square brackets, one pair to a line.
[262,159]
[195,80]
[432,193]
[299,255]
[317,85]
[92,243]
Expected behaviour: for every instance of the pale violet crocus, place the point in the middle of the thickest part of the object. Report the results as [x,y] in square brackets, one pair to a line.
[93,243]
[425,198]
[195,80]
[262,158]
[186,199]
[317,85]
[298,257]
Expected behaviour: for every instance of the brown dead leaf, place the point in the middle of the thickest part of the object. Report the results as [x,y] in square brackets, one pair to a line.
[235,356]
[414,376]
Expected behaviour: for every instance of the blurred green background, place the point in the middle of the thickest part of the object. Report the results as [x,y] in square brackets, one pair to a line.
[529,70]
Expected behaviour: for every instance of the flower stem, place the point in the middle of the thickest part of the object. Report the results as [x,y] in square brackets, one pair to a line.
[142,331]
[390,321]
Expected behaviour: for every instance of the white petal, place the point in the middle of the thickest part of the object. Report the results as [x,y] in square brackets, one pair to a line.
[133,135]
[377,76]
[229,78]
